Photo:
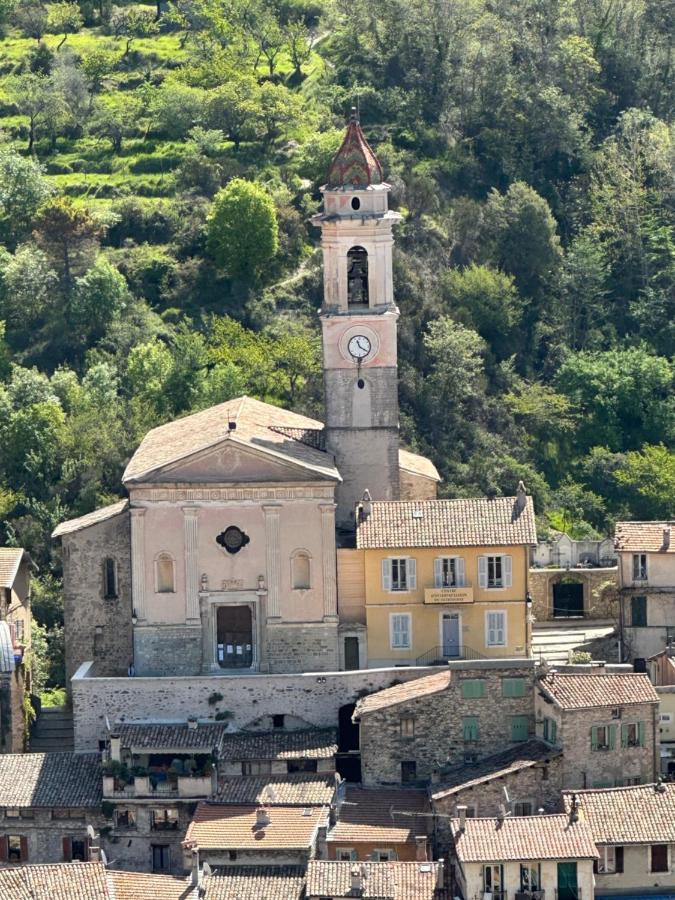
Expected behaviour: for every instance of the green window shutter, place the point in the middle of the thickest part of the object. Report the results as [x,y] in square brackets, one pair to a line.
[594,738]
[513,687]
[624,735]
[473,688]
[641,733]
[470,728]
[612,737]
[546,728]
[519,728]
[554,731]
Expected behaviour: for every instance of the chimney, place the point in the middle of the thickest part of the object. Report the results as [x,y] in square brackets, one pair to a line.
[261,817]
[365,506]
[421,848]
[195,874]
[666,538]
[435,776]
[540,811]
[94,853]
[521,497]
[115,748]
[356,878]
[574,809]
[461,812]
[231,425]
[440,879]
[192,723]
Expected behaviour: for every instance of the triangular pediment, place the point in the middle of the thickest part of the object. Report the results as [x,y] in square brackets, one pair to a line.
[236,462]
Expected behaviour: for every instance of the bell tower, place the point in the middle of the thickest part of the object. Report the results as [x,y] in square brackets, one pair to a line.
[358,324]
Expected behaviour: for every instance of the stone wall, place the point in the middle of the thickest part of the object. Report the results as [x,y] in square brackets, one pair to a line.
[131,848]
[97,628]
[302,648]
[438,741]
[44,833]
[314,697]
[600,591]
[11,711]
[168,649]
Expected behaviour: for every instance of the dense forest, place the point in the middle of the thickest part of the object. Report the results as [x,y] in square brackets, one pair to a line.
[158,167]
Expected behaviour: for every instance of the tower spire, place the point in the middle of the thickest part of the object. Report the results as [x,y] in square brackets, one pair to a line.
[355,165]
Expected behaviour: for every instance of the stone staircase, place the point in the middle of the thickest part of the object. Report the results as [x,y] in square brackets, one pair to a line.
[52,730]
[555,641]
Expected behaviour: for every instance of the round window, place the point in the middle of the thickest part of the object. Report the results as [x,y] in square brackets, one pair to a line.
[232,539]
[356,203]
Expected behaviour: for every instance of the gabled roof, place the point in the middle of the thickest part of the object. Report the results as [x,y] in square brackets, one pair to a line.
[306,789]
[497,521]
[417,465]
[381,880]
[522,838]
[645,537]
[313,743]
[92,518]
[644,814]
[60,881]
[220,826]
[255,883]
[50,780]
[140,886]
[10,561]
[492,768]
[259,426]
[582,691]
[355,164]
[373,815]
[163,738]
[402,693]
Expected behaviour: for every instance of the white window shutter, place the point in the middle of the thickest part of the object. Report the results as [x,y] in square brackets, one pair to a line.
[438,572]
[490,629]
[500,629]
[507,564]
[482,571]
[386,574]
[412,573]
[459,563]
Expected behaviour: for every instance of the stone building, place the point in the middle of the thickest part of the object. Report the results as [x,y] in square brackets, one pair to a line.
[544,855]
[47,800]
[462,714]
[15,637]
[634,830]
[327,880]
[607,725]
[646,552]
[559,594]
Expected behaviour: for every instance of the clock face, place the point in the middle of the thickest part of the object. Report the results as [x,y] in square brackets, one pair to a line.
[359,346]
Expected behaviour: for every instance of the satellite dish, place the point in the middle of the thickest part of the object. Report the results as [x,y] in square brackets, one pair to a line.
[206,869]
[104,858]
[92,834]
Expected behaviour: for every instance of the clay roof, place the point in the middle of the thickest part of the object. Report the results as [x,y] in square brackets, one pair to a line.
[92,518]
[315,743]
[447,523]
[306,789]
[381,880]
[370,816]
[582,691]
[354,165]
[60,881]
[169,738]
[10,560]
[139,886]
[644,537]
[628,815]
[401,693]
[418,465]
[256,883]
[218,826]
[499,765]
[521,838]
[259,426]
[50,779]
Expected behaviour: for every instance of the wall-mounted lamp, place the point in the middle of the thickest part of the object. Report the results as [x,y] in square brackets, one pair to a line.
[261,582]
[528,600]
[134,617]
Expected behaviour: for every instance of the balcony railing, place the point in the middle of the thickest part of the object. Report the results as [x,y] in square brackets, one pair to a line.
[569,893]
[188,786]
[492,895]
[437,656]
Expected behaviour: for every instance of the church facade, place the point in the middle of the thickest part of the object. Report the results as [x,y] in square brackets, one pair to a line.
[223,558]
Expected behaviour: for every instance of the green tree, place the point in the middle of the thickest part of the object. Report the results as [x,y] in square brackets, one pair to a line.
[648,475]
[36,98]
[31,19]
[23,189]
[132,23]
[242,229]
[64,17]
[70,236]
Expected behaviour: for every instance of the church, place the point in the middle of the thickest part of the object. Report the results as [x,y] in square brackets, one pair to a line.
[223,559]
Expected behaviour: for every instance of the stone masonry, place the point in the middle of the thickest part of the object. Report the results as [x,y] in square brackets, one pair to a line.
[302,647]
[600,588]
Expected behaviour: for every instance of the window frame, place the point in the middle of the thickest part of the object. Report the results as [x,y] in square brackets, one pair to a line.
[256,767]
[412,765]
[496,612]
[526,884]
[341,854]
[110,569]
[522,803]
[666,869]
[383,854]
[516,681]
[469,685]
[488,561]
[407,730]
[164,852]
[393,631]
[165,823]
[23,848]
[643,617]
[306,556]
[522,720]
[458,567]
[641,569]
[605,866]
[165,557]
[470,729]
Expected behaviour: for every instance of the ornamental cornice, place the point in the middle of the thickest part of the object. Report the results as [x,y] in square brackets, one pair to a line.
[221,494]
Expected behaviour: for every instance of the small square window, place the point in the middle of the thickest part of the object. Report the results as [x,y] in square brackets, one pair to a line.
[278,721]
[408,771]
[161,857]
[17,848]
[345,854]
[407,726]
[232,855]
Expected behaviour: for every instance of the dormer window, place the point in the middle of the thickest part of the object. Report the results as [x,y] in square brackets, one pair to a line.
[357,276]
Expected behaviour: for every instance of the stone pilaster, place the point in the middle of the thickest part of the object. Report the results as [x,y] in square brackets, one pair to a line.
[328,561]
[138,562]
[273,558]
[191,536]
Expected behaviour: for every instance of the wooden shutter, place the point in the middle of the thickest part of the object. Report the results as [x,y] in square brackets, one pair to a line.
[507,566]
[386,574]
[594,738]
[470,728]
[618,853]
[482,571]
[624,735]
[641,733]
[3,849]
[554,731]
[24,848]
[513,687]
[67,849]
[612,737]
[412,573]
[519,728]
[438,572]
[459,569]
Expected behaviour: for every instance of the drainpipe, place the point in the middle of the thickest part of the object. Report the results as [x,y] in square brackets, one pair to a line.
[656,760]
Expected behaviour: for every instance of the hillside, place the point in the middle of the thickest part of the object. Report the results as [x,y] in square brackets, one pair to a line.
[529,147]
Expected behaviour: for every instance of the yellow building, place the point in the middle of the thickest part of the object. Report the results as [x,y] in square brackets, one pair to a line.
[443,579]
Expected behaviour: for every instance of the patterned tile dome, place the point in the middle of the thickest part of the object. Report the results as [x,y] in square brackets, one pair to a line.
[354,165]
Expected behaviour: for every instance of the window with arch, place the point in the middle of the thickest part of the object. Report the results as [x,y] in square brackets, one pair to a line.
[357,276]
[165,574]
[301,570]
[109,578]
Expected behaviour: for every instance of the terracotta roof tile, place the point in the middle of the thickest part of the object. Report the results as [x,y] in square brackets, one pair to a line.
[628,815]
[278,790]
[401,693]
[139,886]
[447,523]
[381,880]
[50,779]
[259,425]
[315,743]
[582,691]
[217,826]
[370,815]
[522,756]
[169,738]
[92,518]
[256,883]
[645,537]
[61,881]
[354,165]
[522,837]
[417,464]
[10,560]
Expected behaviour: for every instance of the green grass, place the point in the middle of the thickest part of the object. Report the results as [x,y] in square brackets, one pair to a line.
[53,697]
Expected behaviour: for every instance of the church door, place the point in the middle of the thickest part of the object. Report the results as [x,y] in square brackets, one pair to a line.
[234,640]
